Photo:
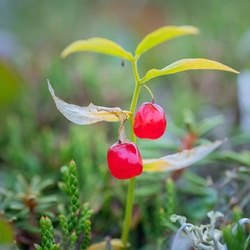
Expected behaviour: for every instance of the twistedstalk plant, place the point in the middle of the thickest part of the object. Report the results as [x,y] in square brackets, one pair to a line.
[92,113]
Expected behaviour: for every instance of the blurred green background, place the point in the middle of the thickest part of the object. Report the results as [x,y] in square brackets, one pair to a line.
[34,33]
[35,139]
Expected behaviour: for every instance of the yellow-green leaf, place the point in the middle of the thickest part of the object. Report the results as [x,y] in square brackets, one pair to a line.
[100,45]
[186,64]
[116,244]
[180,160]
[6,234]
[163,34]
[90,114]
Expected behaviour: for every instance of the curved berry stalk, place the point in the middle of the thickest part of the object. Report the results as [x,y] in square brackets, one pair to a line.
[123,157]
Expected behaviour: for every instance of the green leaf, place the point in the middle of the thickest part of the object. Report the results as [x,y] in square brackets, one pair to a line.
[46,184]
[236,238]
[55,247]
[208,124]
[34,183]
[100,45]
[6,233]
[186,64]
[162,35]
[192,177]
[22,185]
[241,157]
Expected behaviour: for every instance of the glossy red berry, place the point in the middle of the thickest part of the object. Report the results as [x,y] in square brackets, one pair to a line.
[124,160]
[150,121]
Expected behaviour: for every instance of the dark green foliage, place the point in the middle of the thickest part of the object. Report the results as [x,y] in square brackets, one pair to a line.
[209,237]
[169,207]
[35,140]
[75,226]
[237,238]
[27,199]
[65,239]
[74,197]
[47,233]
[87,231]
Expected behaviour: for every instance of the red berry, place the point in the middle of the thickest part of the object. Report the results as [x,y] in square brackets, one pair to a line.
[150,121]
[124,160]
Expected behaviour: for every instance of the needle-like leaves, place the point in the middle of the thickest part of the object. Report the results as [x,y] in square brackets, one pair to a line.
[97,44]
[162,35]
[186,64]
[180,160]
[90,114]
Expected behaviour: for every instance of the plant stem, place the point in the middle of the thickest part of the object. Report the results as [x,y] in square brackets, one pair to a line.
[135,97]
[131,186]
[132,110]
[129,210]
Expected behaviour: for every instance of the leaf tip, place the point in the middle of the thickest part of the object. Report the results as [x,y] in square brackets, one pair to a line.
[64,53]
[69,49]
[51,90]
[235,71]
[48,82]
[72,162]
[229,69]
[192,29]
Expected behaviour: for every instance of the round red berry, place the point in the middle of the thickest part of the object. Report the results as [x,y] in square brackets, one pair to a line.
[150,121]
[124,160]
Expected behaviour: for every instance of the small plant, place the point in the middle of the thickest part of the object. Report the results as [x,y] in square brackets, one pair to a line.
[124,160]
[75,226]
[207,237]
[27,198]
[236,237]
[23,203]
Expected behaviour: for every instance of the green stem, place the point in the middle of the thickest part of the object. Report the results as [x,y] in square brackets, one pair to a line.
[131,186]
[129,210]
[132,110]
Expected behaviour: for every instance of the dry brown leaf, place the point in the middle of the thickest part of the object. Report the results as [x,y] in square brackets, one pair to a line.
[90,114]
[180,160]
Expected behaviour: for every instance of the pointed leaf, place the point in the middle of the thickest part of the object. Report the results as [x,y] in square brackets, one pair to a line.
[162,35]
[45,184]
[180,160]
[239,157]
[90,114]
[21,184]
[186,64]
[100,45]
